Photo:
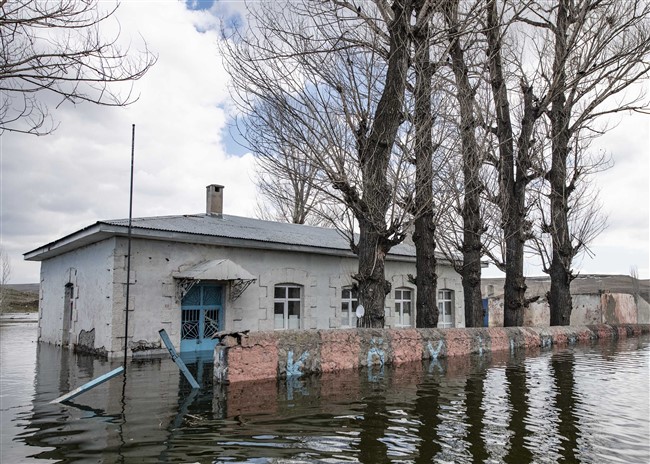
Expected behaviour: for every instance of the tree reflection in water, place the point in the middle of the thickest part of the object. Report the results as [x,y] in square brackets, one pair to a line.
[505,407]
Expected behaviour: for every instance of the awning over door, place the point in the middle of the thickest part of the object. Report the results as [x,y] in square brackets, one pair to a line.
[218,269]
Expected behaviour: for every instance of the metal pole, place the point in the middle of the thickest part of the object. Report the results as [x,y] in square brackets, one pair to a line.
[128,253]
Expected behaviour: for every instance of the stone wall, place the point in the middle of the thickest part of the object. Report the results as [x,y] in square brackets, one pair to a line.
[267,355]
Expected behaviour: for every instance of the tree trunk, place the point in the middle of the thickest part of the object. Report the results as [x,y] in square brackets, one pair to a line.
[374,156]
[559,296]
[372,286]
[514,289]
[472,224]
[424,236]
[515,286]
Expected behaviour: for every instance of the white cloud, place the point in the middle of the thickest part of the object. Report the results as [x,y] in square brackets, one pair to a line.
[54,185]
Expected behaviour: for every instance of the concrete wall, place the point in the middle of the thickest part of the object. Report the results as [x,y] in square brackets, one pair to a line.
[608,308]
[618,308]
[90,272]
[643,315]
[155,302]
[586,310]
[268,355]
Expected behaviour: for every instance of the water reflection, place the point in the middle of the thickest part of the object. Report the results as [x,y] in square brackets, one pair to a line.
[518,394]
[475,411]
[565,401]
[507,407]
[426,411]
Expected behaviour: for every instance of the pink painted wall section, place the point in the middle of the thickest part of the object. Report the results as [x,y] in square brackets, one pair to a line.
[339,350]
[619,308]
[270,355]
[458,342]
[499,339]
[406,346]
[254,358]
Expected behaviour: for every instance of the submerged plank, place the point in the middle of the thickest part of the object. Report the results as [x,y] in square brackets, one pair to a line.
[89,385]
[179,362]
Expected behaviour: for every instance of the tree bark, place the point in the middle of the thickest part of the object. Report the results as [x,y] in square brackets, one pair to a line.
[424,236]
[515,283]
[374,154]
[472,224]
[559,296]
[372,283]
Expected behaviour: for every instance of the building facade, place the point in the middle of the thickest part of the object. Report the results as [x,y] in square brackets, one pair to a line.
[195,275]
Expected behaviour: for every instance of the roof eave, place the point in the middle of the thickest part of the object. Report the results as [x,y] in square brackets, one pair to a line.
[102,231]
[86,236]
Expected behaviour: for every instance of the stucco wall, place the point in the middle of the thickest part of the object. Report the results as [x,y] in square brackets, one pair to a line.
[89,270]
[643,316]
[537,314]
[608,308]
[618,308]
[155,303]
[586,310]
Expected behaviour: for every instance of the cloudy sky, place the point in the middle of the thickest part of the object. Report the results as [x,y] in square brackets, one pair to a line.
[56,184]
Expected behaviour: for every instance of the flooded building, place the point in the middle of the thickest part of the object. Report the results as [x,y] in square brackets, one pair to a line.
[197,274]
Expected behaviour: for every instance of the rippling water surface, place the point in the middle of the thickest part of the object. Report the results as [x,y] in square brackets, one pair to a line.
[586,404]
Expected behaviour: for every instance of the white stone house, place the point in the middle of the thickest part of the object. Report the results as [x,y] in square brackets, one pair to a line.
[197,274]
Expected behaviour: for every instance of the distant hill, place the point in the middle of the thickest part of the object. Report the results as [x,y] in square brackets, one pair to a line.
[19,298]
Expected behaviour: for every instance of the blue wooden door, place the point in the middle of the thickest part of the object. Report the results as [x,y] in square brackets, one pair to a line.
[201,317]
[486,313]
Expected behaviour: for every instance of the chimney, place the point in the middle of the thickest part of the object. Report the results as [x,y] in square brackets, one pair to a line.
[214,200]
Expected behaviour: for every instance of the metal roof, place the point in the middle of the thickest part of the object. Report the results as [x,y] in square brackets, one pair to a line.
[223,230]
[243,228]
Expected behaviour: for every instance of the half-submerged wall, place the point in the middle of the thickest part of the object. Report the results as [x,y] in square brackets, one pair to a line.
[268,355]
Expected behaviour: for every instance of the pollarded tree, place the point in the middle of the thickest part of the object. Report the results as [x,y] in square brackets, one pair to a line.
[57,48]
[336,78]
[461,37]
[515,160]
[423,148]
[595,52]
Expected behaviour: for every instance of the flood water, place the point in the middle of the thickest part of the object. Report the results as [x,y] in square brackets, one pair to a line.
[588,403]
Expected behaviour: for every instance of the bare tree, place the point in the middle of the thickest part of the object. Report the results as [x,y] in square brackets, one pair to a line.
[425,225]
[599,49]
[56,48]
[514,162]
[5,275]
[287,183]
[336,76]
[472,157]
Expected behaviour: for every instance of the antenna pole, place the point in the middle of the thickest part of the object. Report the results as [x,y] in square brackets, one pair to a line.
[128,253]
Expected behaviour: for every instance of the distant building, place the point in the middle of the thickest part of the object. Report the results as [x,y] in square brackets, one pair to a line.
[198,274]
[597,299]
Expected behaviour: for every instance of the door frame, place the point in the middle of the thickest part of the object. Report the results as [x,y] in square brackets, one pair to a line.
[197,314]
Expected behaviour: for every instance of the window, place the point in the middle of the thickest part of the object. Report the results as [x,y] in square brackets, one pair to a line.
[403,307]
[349,301]
[68,303]
[287,307]
[445,305]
